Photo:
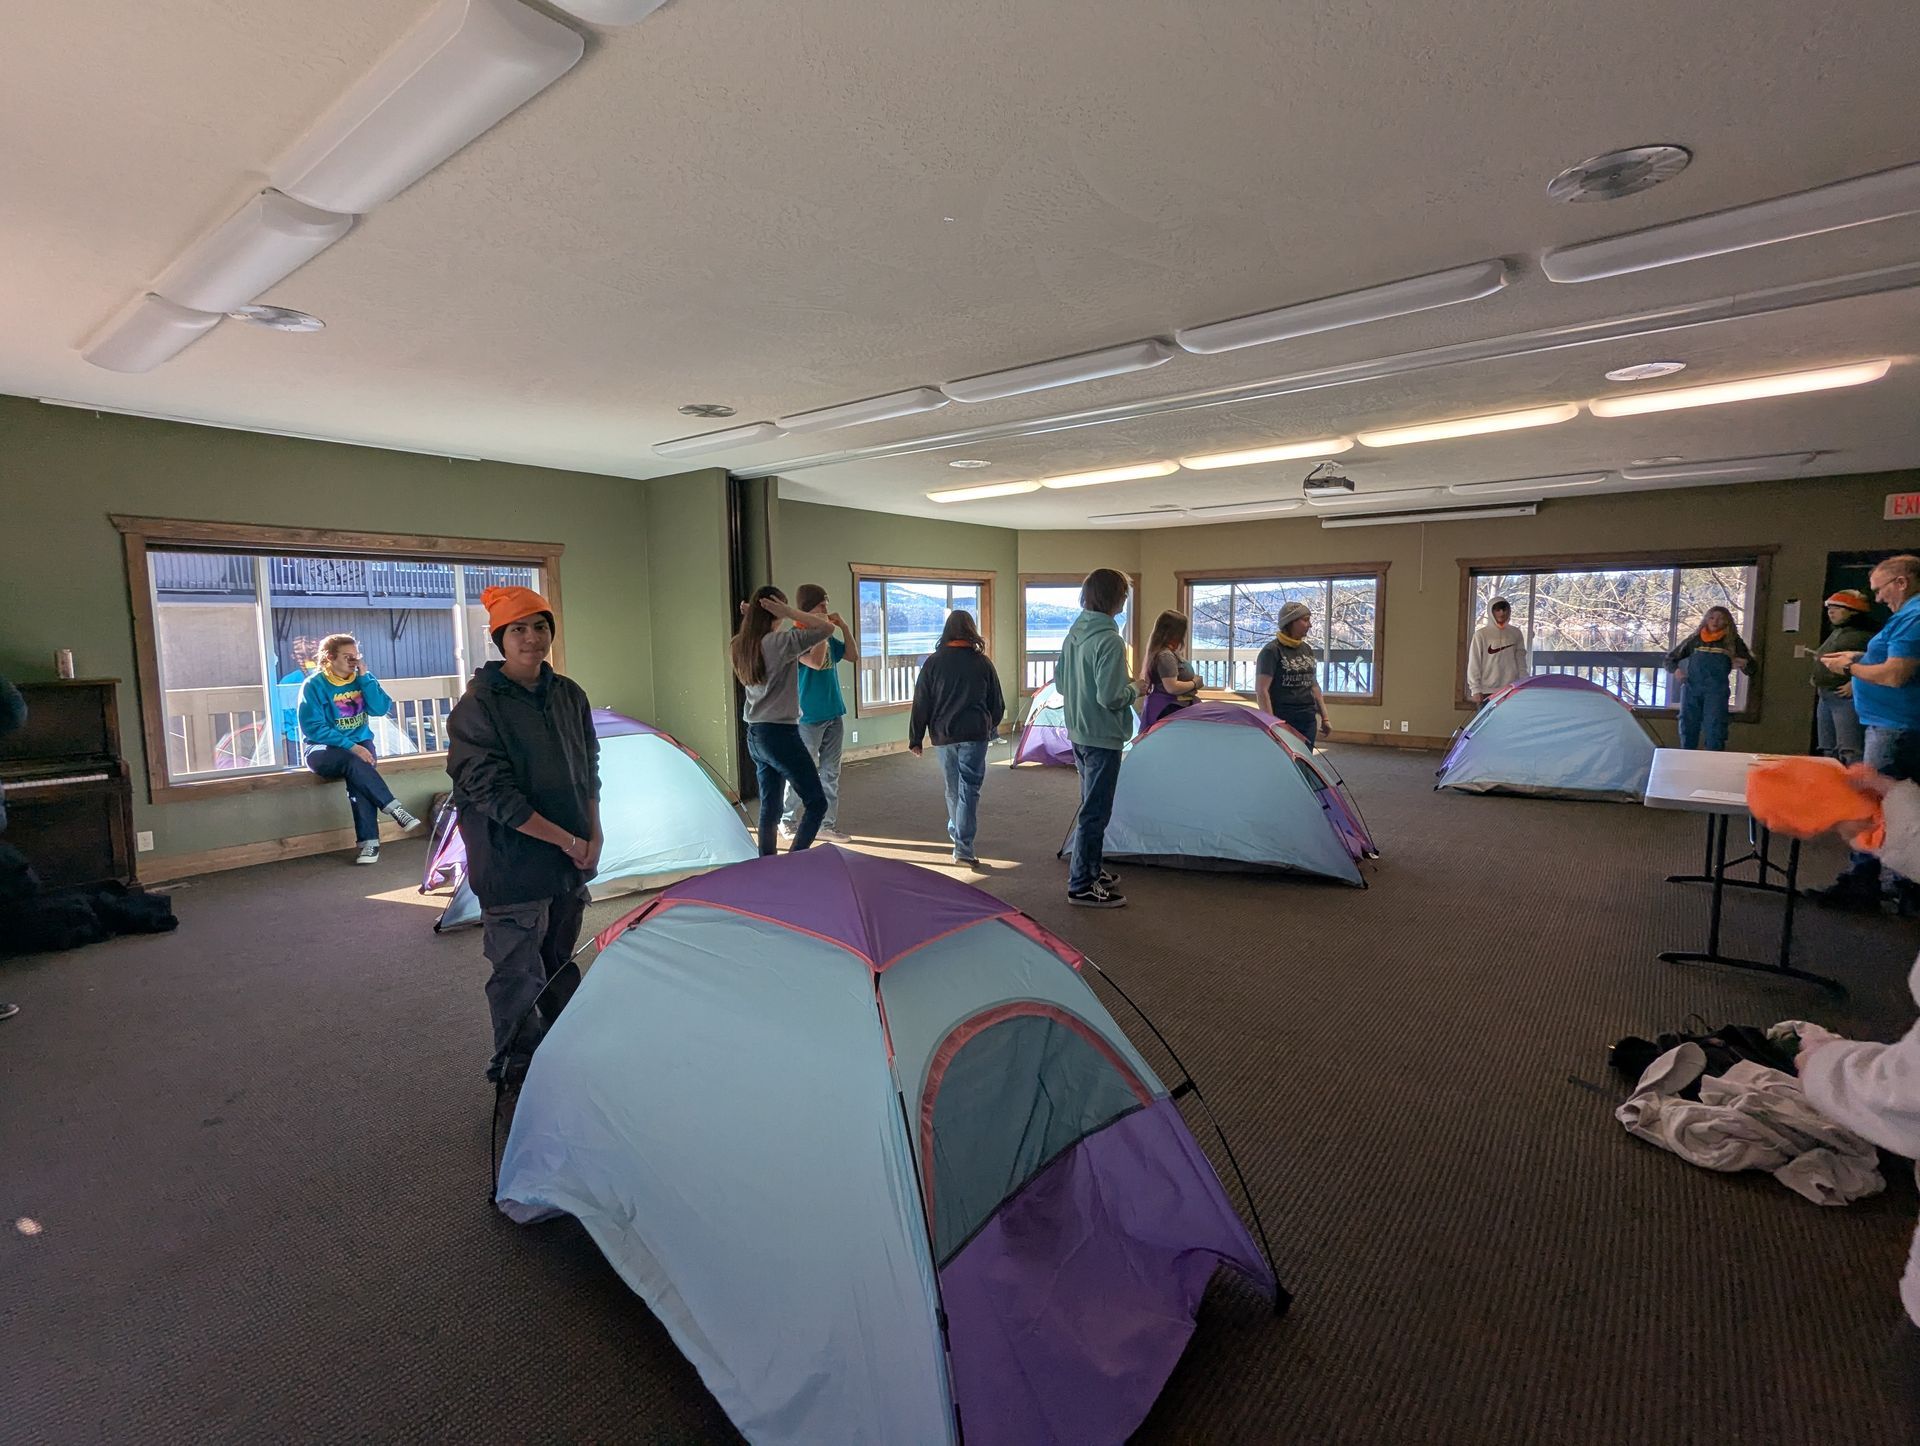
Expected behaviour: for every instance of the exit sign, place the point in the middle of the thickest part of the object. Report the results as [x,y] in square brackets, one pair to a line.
[1902,506]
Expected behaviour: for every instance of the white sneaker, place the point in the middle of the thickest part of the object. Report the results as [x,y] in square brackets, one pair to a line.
[400,816]
[369,853]
[833,835]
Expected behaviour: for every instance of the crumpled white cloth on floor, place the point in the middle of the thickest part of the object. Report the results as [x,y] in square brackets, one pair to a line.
[1750,1118]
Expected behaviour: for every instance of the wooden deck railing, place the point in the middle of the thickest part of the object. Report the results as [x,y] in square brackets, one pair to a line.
[211,730]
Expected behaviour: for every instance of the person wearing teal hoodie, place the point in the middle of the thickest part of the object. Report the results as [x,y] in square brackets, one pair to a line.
[1098,693]
[338,704]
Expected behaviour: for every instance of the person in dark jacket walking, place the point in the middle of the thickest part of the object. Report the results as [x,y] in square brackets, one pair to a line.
[1850,627]
[1703,666]
[525,764]
[957,700]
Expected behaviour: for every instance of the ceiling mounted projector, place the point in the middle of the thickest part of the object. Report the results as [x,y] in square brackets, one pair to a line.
[1326,480]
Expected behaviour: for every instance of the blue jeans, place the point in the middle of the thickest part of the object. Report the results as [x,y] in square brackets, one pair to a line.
[823,742]
[1703,717]
[781,761]
[965,767]
[1896,753]
[367,791]
[1303,721]
[1837,727]
[1099,776]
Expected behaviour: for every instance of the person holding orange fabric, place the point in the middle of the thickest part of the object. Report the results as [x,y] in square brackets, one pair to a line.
[1703,667]
[525,764]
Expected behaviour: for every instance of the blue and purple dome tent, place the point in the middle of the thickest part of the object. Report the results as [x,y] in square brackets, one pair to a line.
[663,813]
[1552,736]
[871,1148]
[1225,786]
[1043,738]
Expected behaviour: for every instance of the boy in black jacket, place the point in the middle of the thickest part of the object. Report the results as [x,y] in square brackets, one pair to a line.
[957,698]
[525,764]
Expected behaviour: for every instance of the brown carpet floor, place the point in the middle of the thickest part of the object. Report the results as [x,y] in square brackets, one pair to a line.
[256,1155]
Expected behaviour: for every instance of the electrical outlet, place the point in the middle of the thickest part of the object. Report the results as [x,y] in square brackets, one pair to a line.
[1403,725]
[145,841]
[1386,725]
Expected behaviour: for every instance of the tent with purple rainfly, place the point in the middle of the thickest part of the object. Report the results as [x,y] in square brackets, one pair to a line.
[664,815]
[1043,737]
[868,1144]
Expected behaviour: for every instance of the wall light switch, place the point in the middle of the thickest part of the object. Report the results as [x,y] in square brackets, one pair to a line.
[856,735]
[145,841]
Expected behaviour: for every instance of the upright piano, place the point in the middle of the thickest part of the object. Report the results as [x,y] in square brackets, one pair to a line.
[69,798]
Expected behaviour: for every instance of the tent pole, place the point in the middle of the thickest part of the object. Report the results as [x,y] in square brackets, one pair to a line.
[1282,1297]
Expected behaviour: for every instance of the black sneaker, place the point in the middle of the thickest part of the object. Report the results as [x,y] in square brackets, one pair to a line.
[1846,892]
[1098,897]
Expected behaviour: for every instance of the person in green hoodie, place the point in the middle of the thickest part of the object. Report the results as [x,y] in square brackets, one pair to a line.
[1098,693]
[1851,627]
[338,704]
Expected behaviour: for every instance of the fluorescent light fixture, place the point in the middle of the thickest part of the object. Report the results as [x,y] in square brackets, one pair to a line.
[1726,467]
[1375,499]
[465,67]
[1563,483]
[1112,474]
[262,243]
[985,490]
[1752,389]
[608,12]
[1248,509]
[1882,196]
[1162,514]
[745,436]
[1289,452]
[873,409]
[1352,308]
[145,333]
[1472,426]
[1113,361]
[1387,519]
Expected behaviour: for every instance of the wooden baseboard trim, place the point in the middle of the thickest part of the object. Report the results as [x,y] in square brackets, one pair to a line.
[267,851]
[873,750]
[1387,740]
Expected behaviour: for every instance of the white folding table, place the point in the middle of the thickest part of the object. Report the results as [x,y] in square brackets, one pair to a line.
[1715,784]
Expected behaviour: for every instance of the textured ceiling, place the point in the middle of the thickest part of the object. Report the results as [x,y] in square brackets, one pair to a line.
[782,207]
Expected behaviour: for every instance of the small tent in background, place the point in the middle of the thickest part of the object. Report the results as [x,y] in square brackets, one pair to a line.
[1553,736]
[663,814]
[875,1154]
[1223,786]
[1044,737]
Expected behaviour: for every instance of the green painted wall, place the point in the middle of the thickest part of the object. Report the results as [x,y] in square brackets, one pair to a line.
[63,575]
[1807,520]
[689,618]
[819,544]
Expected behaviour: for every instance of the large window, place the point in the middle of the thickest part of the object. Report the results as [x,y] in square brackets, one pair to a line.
[1235,615]
[901,613]
[1049,602]
[1612,620]
[229,628]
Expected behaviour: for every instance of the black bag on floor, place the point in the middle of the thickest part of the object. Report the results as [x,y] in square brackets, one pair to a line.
[1724,1047]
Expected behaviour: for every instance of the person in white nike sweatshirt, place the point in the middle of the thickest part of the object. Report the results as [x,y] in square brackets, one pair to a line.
[1874,1089]
[1497,656]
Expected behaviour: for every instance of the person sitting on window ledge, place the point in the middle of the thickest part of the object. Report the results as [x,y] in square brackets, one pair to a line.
[337,707]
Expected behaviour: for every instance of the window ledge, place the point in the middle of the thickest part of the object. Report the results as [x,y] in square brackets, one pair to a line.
[169,792]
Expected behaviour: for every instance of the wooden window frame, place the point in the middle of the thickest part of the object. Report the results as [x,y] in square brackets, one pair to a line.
[1758,557]
[986,577]
[1184,584]
[1066,579]
[139,533]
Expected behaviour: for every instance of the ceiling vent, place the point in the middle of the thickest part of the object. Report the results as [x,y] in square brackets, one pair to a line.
[1619,173]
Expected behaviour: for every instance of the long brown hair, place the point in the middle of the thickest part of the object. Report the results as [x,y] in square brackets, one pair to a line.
[1169,631]
[749,660]
[961,628]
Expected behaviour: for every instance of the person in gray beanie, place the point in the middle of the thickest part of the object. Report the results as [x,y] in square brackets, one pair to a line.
[1287,675]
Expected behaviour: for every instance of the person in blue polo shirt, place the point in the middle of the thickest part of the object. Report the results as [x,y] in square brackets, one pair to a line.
[822,710]
[1886,695]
